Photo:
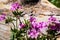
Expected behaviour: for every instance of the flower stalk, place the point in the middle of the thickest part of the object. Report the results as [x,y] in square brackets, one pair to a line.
[16,23]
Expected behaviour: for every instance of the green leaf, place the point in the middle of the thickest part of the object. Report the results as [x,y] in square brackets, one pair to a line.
[27,23]
[18,34]
[14,30]
[20,14]
[17,13]
[52,32]
[42,38]
[9,19]
[12,37]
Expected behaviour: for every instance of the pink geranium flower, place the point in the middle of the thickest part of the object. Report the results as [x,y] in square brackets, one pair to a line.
[53,19]
[22,25]
[15,6]
[33,33]
[32,19]
[2,17]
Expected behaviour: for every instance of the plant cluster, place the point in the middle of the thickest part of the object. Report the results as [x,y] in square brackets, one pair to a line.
[30,29]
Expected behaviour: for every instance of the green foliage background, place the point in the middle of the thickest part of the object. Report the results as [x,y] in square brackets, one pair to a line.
[55,2]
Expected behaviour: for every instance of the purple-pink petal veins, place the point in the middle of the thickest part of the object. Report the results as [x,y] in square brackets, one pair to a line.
[32,19]
[43,24]
[33,33]
[52,19]
[34,24]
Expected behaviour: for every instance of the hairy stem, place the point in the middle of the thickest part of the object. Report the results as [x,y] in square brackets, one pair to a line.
[13,25]
[16,23]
